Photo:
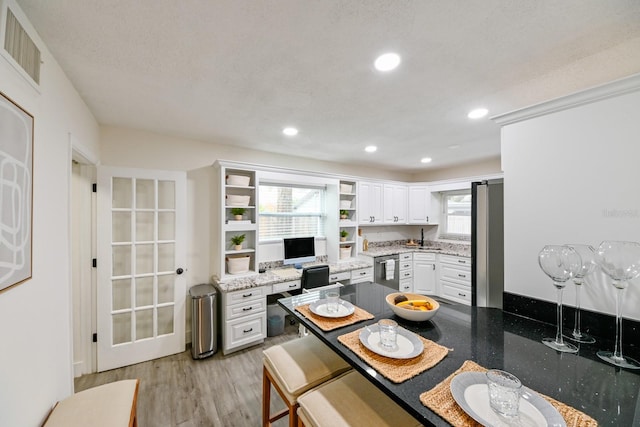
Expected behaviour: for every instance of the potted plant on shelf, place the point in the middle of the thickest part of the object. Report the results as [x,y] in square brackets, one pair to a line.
[237,241]
[237,213]
[343,235]
[344,214]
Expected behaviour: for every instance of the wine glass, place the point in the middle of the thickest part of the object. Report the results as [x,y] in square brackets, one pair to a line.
[621,262]
[559,263]
[588,265]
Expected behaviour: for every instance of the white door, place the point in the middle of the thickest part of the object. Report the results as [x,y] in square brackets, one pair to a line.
[424,277]
[141,260]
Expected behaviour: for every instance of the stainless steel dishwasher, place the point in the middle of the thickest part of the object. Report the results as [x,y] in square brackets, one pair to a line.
[380,269]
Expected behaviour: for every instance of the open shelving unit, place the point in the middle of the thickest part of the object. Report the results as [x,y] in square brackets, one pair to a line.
[348,221]
[232,196]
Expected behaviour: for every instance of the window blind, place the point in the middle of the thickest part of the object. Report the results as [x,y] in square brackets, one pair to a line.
[290,211]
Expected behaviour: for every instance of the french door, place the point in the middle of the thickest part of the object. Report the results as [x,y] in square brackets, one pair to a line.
[141,251]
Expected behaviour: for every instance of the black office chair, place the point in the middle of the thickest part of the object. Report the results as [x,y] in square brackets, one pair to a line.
[314,277]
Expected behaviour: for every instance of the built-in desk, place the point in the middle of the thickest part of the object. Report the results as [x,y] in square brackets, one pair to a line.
[243,300]
[493,339]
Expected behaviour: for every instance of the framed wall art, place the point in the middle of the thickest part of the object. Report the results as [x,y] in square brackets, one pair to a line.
[16,193]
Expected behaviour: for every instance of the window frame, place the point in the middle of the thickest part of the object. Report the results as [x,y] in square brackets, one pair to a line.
[445,216]
[320,232]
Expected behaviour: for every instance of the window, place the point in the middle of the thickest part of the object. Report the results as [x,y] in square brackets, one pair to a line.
[457,215]
[290,211]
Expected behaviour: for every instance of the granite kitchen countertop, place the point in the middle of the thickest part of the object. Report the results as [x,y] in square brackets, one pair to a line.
[455,250]
[270,277]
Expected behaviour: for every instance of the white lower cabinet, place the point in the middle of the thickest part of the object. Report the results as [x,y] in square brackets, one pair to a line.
[244,318]
[424,273]
[338,277]
[406,272]
[455,278]
[362,275]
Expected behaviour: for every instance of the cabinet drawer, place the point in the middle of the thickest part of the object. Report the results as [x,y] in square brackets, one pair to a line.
[336,277]
[406,265]
[406,285]
[245,331]
[245,308]
[362,275]
[422,256]
[406,274]
[245,295]
[456,292]
[457,274]
[286,286]
[457,260]
[407,256]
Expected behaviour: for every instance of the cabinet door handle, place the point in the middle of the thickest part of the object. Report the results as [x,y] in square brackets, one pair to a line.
[462,295]
[427,219]
[293,286]
[434,267]
[462,275]
[363,273]
[247,295]
[247,309]
[333,278]
[246,331]
[462,261]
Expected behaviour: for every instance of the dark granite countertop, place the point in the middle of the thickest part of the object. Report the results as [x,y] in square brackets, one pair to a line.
[494,339]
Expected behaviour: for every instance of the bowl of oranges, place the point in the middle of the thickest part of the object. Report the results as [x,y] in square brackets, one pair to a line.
[415,307]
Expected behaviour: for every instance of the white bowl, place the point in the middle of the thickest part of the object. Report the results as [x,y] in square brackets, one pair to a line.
[239,180]
[414,315]
[236,200]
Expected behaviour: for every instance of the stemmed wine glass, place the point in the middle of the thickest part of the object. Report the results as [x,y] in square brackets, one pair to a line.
[559,263]
[588,265]
[621,262]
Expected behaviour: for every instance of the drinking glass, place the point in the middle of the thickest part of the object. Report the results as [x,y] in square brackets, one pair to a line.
[388,334]
[333,300]
[621,262]
[560,263]
[588,257]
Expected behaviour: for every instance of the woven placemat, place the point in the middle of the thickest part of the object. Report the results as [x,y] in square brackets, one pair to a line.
[331,323]
[440,400]
[396,370]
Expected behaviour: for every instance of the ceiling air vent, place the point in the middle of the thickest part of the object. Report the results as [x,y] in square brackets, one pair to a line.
[21,48]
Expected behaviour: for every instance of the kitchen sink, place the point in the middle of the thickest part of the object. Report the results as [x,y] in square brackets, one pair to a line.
[427,248]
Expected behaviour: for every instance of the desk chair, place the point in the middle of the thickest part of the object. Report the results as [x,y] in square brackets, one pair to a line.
[314,277]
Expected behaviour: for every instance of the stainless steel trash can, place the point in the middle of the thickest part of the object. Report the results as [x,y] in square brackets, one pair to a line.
[203,321]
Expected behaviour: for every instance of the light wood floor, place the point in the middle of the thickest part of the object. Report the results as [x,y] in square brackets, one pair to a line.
[217,391]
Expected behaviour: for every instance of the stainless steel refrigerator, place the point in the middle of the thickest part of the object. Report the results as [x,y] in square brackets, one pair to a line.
[487,243]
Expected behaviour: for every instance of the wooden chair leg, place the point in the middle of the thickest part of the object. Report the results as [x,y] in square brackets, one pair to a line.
[266,397]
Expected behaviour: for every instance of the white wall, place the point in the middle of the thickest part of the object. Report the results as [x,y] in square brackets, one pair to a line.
[562,173]
[35,317]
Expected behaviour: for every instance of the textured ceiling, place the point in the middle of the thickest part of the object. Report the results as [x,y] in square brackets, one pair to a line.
[238,71]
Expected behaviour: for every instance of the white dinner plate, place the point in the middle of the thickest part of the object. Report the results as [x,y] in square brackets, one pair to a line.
[470,391]
[319,307]
[409,345]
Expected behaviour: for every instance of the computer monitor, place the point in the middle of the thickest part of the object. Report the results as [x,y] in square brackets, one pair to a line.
[298,250]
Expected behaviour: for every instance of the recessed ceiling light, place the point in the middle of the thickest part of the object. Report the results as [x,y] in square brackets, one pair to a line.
[478,113]
[290,131]
[370,148]
[425,160]
[387,62]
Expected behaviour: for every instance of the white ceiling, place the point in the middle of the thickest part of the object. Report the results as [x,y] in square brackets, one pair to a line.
[238,71]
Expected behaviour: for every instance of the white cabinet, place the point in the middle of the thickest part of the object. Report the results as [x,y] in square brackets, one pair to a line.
[362,275]
[244,318]
[236,199]
[406,272]
[395,203]
[370,203]
[424,273]
[422,209]
[455,278]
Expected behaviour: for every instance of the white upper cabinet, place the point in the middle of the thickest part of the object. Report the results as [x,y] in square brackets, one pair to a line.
[370,203]
[395,204]
[421,208]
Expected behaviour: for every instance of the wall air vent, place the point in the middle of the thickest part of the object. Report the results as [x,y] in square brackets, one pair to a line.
[21,48]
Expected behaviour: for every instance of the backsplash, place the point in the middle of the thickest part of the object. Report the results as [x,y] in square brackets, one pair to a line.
[322,259]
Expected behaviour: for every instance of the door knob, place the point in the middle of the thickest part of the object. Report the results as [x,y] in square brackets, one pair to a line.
[179,271]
